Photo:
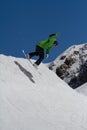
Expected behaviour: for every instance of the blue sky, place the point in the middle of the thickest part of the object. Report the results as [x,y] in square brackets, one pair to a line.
[23,23]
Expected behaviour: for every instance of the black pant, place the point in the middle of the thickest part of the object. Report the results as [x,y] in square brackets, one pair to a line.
[38,52]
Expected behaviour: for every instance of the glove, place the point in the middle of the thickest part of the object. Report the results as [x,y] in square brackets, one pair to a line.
[47,55]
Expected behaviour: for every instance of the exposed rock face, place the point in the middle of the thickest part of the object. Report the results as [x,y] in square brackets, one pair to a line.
[71,66]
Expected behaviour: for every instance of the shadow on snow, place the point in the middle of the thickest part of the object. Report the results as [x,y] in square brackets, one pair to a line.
[27,73]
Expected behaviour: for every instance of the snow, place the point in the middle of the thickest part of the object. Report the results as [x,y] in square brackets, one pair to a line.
[33,99]
[82,89]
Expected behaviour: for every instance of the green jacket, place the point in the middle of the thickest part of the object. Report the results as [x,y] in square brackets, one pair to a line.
[47,44]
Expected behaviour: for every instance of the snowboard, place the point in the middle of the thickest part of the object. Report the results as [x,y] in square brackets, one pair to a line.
[29,59]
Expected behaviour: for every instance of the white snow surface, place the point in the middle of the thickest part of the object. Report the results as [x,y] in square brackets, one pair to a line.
[33,99]
[82,89]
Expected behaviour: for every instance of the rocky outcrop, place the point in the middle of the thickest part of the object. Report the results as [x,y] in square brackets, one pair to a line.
[71,66]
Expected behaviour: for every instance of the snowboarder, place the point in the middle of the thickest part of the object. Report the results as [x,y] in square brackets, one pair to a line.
[44,45]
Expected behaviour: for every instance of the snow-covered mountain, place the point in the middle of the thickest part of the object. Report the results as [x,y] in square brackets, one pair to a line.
[71,66]
[33,99]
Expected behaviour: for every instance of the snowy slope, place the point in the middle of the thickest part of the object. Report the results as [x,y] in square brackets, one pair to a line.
[82,89]
[37,100]
[71,66]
